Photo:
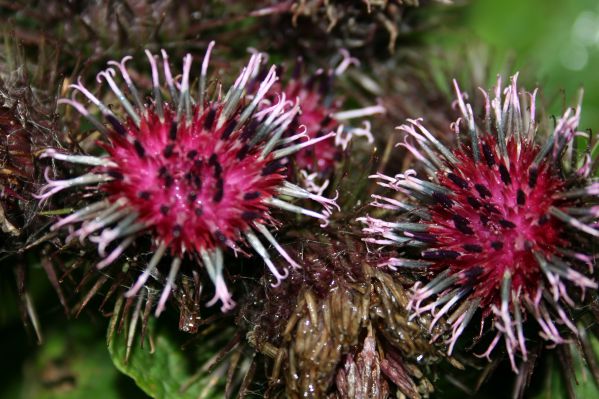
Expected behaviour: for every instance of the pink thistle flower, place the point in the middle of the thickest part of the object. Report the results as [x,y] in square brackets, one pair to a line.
[503,223]
[198,175]
[321,113]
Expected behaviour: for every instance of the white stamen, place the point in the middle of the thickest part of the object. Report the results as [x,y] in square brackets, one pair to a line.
[204,73]
[296,209]
[170,283]
[259,248]
[115,253]
[123,69]
[283,152]
[81,214]
[80,159]
[83,111]
[360,112]
[262,229]
[141,280]
[155,84]
[107,75]
[168,76]
[213,262]
[55,186]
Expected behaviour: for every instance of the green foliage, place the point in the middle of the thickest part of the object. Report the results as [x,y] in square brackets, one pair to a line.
[557,39]
[162,368]
[582,385]
[72,364]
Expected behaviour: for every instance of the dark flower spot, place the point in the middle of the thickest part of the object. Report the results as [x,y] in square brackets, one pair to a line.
[462,224]
[442,199]
[521,197]
[271,167]
[505,175]
[471,274]
[423,236]
[118,127]
[251,196]
[209,121]
[533,174]
[168,181]
[458,181]
[482,190]
[145,195]
[488,155]
[172,134]
[473,202]
[218,170]
[507,224]
[440,254]
[492,209]
[497,245]
[191,197]
[473,248]
[243,151]
[218,194]
[228,129]
[249,130]
[168,151]
[197,181]
[139,149]
[115,174]
[249,215]
[326,120]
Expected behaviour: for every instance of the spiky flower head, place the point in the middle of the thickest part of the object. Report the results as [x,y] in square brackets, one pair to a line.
[196,174]
[321,112]
[502,223]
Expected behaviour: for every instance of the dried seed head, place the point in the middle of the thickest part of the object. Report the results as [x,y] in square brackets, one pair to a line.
[96,30]
[503,223]
[361,377]
[350,22]
[27,124]
[198,175]
[315,323]
[16,171]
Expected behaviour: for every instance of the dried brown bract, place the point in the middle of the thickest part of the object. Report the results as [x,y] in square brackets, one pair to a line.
[341,23]
[340,321]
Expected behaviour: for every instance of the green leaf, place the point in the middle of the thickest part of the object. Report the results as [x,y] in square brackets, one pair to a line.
[584,386]
[72,364]
[163,371]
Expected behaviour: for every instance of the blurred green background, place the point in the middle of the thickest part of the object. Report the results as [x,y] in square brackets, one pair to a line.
[556,39]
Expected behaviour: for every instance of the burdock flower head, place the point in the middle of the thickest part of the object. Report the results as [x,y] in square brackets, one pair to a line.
[321,112]
[503,223]
[197,174]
